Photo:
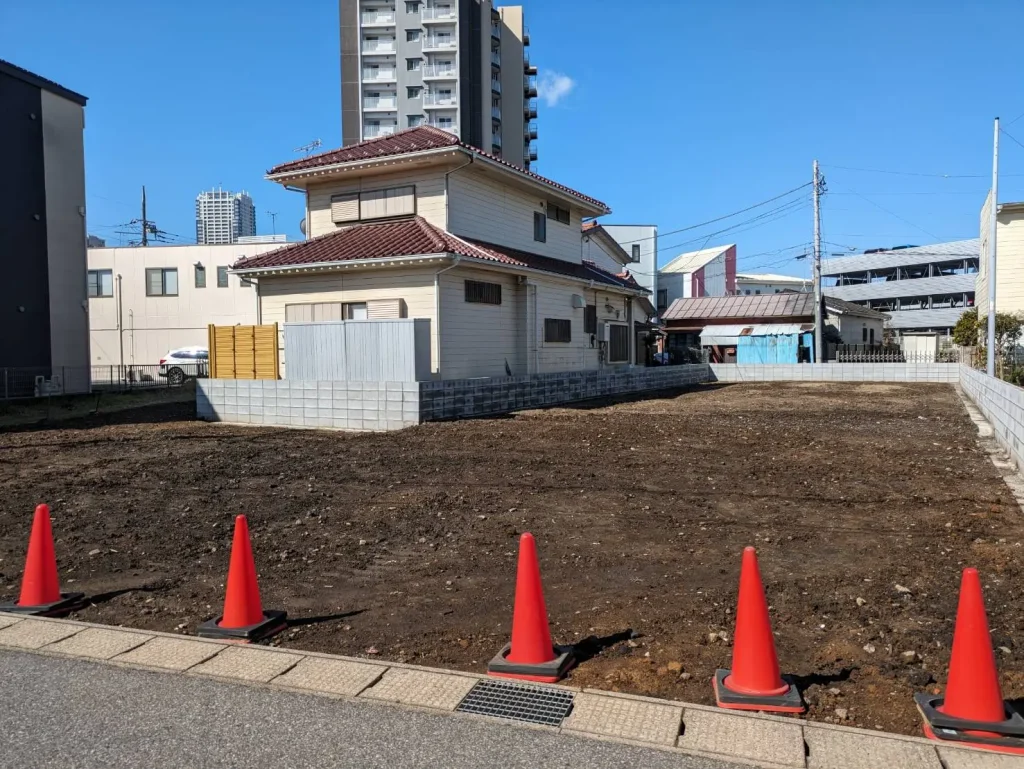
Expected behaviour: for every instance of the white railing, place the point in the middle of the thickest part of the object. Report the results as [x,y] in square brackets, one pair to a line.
[376,131]
[435,99]
[438,14]
[440,43]
[378,46]
[433,70]
[379,74]
[378,17]
[378,102]
[449,127]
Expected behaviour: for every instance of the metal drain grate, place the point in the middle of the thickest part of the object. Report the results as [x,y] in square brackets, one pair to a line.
[518,702]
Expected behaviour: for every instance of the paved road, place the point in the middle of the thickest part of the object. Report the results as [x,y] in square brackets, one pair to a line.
[74,714]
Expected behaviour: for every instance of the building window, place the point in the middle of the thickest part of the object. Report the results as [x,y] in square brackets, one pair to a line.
[162,281]
[222,277]
[413,65]
[412,7]
[355,311]
[871,336]
[413,91]
[479,292]
[558,213]
[636,252]
[101,283]
[540,227]
[200,276]
[778,291]
[747,292]
[590,319]
[557,330]
[663,299]
[864,334]
[618,347]
[757,291]
[415,120]
[444,122]
[412,35]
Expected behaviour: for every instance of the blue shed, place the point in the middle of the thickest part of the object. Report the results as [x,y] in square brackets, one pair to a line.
[773,343]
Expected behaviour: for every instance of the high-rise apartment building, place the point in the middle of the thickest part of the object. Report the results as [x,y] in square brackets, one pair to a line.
[223,217]
[459,65]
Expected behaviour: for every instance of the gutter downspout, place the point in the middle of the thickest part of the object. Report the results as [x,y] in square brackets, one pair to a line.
[437,303]
[120,325]
[447,218]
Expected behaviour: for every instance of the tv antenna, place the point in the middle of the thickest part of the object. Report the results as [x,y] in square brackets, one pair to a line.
[307,148]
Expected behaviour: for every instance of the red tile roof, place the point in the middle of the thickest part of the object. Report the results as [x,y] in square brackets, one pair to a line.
[413,237]
[418,139]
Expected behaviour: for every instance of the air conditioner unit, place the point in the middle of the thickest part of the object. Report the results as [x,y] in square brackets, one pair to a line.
[578,302]
[604,332]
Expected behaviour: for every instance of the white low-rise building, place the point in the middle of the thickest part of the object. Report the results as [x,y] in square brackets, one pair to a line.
[145,301]
[751,284]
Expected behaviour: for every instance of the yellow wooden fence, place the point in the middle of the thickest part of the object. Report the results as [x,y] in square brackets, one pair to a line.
[243,352]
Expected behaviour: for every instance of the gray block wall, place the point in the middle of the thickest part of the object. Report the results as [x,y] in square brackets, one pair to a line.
[1003,406]
[334,405]
[837,372]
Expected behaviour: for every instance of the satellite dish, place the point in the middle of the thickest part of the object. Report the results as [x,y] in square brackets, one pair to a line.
[302,225]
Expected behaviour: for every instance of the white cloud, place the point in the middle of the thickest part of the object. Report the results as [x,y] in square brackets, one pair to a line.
[552,87]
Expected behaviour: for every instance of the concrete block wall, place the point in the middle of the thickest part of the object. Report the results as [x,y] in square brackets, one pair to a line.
[452,399]
[334,405]
[1003,406]
[837,372]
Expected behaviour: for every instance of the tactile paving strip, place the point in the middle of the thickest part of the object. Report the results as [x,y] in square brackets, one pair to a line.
[518,702]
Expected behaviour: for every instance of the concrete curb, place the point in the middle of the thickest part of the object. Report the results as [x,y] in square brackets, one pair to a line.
[744,738]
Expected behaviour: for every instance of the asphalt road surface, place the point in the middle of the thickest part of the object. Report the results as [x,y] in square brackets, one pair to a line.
[75,714]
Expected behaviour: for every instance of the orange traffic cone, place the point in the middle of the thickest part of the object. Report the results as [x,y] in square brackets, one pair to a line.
[243,618]
[754,682]
[40,585]
[973,710]
[531,656]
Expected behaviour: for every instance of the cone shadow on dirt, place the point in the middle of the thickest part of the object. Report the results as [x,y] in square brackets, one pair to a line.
[110,595]
[301,621]
[592,646]
[822,679]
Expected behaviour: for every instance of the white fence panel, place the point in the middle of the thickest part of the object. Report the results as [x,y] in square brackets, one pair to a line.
[394,350]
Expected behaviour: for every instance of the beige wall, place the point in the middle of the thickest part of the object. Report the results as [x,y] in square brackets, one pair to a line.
[594,250]
[512,99]
[64,173]
[1009,265]
[154,325]
[430,197]
[484,208]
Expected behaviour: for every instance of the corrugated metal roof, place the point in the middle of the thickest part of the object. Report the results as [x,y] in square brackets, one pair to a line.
[779,329]
[904,257]
[754,306]
[692,261]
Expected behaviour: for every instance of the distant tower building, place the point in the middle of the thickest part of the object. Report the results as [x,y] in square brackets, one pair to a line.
[223,217]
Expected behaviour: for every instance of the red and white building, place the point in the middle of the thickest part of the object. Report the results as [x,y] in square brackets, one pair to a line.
[708,272]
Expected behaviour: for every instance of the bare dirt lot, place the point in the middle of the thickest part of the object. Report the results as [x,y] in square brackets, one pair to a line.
[864,501]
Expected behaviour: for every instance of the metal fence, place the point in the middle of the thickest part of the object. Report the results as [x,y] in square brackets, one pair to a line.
[67,380]
[863,353]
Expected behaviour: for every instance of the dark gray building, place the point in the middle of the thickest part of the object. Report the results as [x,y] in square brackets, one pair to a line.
[43,299]
[459,65]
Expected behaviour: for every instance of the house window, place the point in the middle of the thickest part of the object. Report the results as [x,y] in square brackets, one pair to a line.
[412,7]
[413,91]
[444,122]
[355,311]
[618,347]
[413,65]
[412,35]
[540,227]
[590,319]
[864,333]
[200,276]
[747,292]
[222,277]
[162,281]
[871,336]
[558,213]
[319,312]
[557,330]
[757,291]
[636,252]
[376,204]
[101,283]
[663,299]
[415,120]
[479,292]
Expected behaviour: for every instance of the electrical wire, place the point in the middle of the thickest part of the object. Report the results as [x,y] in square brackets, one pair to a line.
[905,221]
[1011,137]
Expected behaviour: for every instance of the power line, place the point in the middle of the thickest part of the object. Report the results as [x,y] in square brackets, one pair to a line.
[1016,119]
[1012,138]
[905,221]
[906,173]
[767,217]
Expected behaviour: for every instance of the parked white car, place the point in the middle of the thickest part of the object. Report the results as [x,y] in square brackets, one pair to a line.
[184,363]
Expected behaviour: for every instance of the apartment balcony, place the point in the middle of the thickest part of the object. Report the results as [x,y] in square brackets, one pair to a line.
[434,15]
[530,131]
[377,131]
[526,36]
[380,103]
[496,58]
[377,18]
[532,154]
[496,30]
[496,141]
[528,68]
[378,46]
[496,113]
[496,85]
[530,110]
[432,43]
[529,87]
[380,75]
[435,72]
[450,127]
[436,100]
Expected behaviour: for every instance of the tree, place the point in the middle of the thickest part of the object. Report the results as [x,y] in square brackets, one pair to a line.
[970,330]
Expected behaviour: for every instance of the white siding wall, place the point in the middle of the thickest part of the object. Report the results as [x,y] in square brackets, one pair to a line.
[594,250]
[714,277]
[430,198]
[851,328]
[415,286]
[1009,267]
[484,208]
[477,339]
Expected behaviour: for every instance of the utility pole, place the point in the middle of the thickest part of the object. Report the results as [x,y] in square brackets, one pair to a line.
[145,222]
[990,362]
[819,345]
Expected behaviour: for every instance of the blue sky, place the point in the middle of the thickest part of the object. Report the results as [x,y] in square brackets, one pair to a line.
[678,112]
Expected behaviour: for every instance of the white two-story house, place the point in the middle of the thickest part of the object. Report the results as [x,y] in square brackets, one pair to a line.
[421,225]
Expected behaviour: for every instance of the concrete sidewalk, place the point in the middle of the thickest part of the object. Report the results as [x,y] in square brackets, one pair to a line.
[72,713]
